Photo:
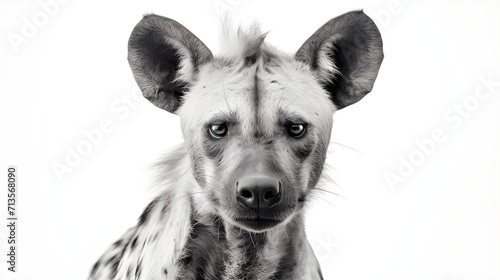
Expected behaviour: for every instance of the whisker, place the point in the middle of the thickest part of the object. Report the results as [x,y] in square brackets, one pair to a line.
[252,240]
[343,145]
[324,173]
[322,198]
[331,167]
[330,192]
[161,177]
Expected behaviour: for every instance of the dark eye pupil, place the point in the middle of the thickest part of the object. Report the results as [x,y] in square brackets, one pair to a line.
[218,130]
[296,130]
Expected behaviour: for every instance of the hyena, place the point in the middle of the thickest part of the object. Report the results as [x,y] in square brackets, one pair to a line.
[256,124]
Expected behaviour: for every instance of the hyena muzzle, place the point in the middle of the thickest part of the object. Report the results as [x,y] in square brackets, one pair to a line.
[256,124]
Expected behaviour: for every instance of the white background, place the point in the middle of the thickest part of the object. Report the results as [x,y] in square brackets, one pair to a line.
[69,72]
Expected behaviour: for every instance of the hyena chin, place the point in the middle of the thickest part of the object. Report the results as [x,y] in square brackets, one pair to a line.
[256,124]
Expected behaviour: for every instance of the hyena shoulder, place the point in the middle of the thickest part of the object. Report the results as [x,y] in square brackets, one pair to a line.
[149,250]
[107,266]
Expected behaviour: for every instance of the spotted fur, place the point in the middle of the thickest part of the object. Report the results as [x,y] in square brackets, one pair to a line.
[196,228]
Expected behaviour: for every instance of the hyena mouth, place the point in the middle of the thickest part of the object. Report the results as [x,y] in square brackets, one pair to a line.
[258,224]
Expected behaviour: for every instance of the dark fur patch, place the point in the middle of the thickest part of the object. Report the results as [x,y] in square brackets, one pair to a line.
[113,263]
[317,164]
[203,257]
[117,243]
[250,60]
[214,148]
[133,243]
[138,270]
[256,92]
[145,215]
[129,272]
[304,149]
[95,267]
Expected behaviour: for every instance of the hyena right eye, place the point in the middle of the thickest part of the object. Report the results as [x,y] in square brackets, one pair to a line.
[217,130]
[296,130]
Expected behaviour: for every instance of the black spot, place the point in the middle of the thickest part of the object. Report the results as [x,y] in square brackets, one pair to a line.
[138,270]
[117,243]
[258,133]
[113,263]
[129,272]
[165,207]
[155,237]
[165,271]
[268,142]
[274,82]
[134,243]
[95,267]
[185,260]
[145,215]
[251,59]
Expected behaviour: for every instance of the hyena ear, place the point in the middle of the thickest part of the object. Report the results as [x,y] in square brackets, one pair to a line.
[345,53]
[165,57]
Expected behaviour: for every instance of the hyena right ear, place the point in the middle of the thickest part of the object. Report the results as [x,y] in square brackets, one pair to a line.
[165,57]
[345,54]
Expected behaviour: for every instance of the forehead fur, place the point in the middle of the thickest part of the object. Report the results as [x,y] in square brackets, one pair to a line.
[250,78]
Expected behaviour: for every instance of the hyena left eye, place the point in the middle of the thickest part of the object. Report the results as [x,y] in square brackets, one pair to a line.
[296,130]
[218,130]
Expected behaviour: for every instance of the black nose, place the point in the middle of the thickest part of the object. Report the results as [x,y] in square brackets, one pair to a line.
[258,192]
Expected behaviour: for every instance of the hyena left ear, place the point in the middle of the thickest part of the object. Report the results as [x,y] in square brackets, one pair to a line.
[345,53]
[165,57]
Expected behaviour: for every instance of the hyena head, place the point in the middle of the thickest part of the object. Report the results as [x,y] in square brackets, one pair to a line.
[256,121]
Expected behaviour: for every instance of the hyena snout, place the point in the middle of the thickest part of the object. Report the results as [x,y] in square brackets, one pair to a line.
[258,191]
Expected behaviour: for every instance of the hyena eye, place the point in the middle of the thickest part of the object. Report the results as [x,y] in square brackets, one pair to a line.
[218,130]
[296,130]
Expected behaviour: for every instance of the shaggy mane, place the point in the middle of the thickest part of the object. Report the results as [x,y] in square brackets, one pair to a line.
[246,45]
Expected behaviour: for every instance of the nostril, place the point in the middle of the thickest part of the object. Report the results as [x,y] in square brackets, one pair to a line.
[268,195]
[246,194]
[272,193]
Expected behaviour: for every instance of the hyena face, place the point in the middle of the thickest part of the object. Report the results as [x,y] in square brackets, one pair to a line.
[257,142]
[256,122]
